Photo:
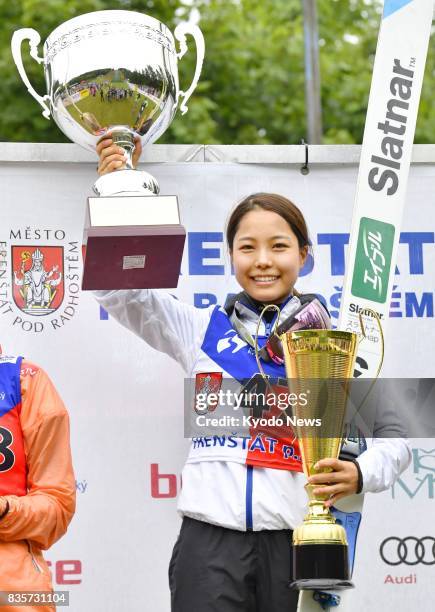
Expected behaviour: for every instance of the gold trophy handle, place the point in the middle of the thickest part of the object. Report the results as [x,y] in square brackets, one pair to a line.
[363,336]
[361,339]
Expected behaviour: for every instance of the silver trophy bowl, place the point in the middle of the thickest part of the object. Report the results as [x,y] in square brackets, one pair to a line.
[112,72]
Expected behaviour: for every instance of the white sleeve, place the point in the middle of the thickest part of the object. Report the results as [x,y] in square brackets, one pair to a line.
[390,453]
[383,463]
[166,324]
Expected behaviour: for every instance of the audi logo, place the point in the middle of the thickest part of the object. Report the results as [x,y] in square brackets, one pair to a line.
[410,550]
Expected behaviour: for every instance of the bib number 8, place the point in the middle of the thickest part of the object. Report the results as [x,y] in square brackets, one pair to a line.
[7,457]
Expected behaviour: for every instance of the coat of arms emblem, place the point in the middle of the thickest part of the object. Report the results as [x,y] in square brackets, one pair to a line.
[37,278]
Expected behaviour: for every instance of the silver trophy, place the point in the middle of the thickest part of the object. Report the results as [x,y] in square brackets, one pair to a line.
[116,72]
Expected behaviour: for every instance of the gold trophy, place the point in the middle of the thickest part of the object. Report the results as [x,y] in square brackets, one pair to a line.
[321,361]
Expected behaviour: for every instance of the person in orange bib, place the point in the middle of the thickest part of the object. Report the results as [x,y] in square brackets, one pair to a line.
[37,484]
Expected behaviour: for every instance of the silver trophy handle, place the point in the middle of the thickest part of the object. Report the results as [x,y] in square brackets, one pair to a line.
[34,39]
[180,34]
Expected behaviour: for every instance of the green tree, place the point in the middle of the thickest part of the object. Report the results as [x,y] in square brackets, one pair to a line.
[252,85]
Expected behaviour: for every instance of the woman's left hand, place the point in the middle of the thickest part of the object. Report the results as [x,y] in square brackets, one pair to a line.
[342,481]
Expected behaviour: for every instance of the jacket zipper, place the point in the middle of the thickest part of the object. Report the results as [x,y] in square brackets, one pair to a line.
[250,469]
[249,478]
[34,561]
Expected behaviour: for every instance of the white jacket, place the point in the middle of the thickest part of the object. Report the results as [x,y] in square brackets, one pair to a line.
[218,487]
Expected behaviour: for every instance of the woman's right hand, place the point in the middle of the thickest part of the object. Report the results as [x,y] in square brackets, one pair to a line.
[112,157]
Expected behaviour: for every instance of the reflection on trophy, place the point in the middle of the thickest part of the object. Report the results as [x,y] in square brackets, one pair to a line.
[116,72]
[321,361]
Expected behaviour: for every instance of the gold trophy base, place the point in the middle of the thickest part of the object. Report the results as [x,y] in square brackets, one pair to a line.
[320,553]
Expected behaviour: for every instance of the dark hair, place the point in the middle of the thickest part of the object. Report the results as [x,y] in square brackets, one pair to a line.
[275,203]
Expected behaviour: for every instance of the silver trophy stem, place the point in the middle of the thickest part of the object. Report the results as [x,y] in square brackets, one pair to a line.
[126,182]
[124,138]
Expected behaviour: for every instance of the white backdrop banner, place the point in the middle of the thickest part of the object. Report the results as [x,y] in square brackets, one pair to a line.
[125,400]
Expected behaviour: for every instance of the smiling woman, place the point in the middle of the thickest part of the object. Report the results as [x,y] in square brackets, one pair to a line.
[242,495]
[268,242]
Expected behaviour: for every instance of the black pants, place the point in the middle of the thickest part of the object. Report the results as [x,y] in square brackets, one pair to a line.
[214,569]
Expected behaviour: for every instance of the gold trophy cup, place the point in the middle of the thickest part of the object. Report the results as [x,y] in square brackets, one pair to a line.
[320,363]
